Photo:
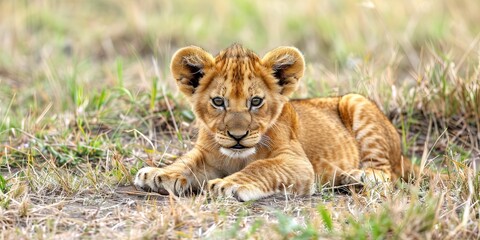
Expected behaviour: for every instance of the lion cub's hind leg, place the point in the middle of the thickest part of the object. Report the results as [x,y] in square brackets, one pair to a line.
[377,140]
[365,176]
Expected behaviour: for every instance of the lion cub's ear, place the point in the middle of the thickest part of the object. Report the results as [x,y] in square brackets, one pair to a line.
[287,66]
[188,67]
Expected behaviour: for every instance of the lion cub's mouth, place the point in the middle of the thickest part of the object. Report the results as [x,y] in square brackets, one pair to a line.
[238,151]
[238,146]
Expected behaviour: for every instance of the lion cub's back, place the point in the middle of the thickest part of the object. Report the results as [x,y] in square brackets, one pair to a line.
[325,139]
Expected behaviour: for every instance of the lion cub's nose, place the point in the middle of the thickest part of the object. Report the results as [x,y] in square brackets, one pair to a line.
[235,135]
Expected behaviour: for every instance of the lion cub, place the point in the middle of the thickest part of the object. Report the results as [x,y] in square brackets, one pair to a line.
[254,142]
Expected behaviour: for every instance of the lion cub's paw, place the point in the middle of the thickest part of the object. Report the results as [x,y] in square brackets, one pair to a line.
[161,180]
[365,177]
[227,188]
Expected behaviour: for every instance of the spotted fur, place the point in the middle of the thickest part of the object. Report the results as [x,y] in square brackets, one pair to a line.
[250,152]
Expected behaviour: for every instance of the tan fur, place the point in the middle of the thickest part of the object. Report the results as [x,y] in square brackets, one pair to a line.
[343,140]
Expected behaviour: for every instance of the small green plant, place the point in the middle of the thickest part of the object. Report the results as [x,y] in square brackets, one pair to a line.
[4,186]
[326,217]
[375,226]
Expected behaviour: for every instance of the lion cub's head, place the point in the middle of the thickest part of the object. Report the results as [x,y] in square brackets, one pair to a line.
[237,95]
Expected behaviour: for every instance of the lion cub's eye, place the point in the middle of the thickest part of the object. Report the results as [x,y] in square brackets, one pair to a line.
[256,101]
[218,101]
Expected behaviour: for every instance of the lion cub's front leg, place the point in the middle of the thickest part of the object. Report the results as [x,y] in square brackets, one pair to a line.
[265,177]
[163,181]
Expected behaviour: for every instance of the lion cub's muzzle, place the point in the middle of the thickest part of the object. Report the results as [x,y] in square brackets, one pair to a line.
[237,144]
[237,138]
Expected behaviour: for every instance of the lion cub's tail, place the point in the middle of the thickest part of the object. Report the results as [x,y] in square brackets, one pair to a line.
[408,171]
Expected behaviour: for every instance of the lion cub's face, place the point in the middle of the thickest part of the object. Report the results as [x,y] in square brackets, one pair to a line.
[237,95]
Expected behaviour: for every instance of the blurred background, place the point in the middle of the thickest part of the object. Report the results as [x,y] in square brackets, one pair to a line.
[104,64]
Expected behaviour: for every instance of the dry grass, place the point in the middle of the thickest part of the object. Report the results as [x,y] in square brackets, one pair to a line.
[84,87]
